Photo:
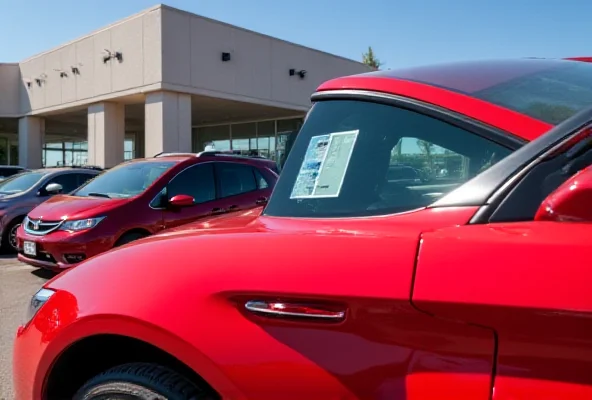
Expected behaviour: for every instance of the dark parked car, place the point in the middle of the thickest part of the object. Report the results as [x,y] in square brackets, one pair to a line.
[22,192]
[139,198]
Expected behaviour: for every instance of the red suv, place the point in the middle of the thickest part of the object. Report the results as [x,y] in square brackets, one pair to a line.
[471,281]
[139,198]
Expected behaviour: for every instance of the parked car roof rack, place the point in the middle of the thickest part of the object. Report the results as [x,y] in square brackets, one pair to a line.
[165,154]
[210,153]
[93,167]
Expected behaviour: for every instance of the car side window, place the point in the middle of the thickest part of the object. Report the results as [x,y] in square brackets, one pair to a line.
[235,179]
[196,181]
[359,158]
[83,178]
[261,181]
[69,182]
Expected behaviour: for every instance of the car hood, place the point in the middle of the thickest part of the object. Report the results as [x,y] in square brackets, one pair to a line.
[72,207]
[234,220]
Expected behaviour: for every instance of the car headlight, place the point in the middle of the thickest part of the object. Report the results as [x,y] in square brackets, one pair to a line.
[38,300]
[80,224]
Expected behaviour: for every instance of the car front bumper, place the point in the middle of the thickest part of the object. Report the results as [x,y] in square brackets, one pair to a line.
[60,250]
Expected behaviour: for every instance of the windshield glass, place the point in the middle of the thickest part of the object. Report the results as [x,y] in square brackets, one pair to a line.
[126,180]
[20,182]
[355,158]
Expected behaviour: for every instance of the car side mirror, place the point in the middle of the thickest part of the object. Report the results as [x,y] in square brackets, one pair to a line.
[570,202]
[181,200]
[52,188]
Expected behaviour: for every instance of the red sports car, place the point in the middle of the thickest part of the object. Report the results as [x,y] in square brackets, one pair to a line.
[469,280]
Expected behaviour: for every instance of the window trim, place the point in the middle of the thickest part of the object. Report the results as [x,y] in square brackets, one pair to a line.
[219,187]
[496,135]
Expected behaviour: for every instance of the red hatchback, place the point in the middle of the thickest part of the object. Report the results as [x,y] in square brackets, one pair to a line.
[139,198]
[428,238]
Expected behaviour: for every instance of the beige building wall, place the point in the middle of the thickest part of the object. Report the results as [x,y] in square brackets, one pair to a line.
[9,90]
[259,65]
[75,74]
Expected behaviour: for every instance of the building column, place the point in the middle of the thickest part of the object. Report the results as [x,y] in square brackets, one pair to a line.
[167,123]
[106,134]
[31,133]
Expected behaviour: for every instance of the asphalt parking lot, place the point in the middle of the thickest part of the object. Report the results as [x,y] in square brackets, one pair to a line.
[18,282]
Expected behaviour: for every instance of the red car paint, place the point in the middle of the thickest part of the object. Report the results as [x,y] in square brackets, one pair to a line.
[433,305]
[131,214]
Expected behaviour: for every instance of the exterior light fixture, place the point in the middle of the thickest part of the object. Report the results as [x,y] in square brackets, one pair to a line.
[302,73]
[109,55]
[225,56]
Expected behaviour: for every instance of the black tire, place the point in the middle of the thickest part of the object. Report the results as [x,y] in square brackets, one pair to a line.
[140,381]
[9,235]
[129,237]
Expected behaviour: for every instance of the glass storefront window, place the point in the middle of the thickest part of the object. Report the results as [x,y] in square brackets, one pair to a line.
[242,135]
[218,135]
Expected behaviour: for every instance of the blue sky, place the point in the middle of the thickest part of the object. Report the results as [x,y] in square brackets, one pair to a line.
[402,32]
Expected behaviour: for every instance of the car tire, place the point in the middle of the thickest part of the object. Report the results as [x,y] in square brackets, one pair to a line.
[9,235]
[141,381]
[129,237]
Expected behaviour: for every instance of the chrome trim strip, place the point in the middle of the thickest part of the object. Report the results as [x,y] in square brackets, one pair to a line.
[261,307]
[41,233]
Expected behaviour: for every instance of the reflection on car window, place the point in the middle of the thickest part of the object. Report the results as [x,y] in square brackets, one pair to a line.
[20,182]
[196,181]
[261,182]
[235,179]
[552,95]
[125,180]
[355,158]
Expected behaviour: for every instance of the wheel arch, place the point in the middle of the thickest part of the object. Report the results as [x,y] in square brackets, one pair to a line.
[142,231]
[130,338]
[94,354]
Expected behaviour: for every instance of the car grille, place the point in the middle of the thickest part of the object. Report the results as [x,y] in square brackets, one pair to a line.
[39,227]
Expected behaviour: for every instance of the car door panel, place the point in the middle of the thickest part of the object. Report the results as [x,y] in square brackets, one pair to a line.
[385,348]
[530,283]
[196,181]
[238,188]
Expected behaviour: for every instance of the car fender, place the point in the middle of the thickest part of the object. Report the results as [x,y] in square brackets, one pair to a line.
[59,339]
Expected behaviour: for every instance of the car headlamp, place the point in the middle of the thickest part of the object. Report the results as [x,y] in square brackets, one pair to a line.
[37,301]
[80,224]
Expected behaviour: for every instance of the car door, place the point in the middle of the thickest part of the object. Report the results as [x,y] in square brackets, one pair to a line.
[527,281]
[343,242]
[198,182]
[240,187]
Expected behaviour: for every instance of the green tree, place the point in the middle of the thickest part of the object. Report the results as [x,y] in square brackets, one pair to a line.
[369,58]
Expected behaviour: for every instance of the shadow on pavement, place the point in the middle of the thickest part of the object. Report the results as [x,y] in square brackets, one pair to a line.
[43,273]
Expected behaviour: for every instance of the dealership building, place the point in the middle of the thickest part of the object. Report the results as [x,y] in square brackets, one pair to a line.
[161,80]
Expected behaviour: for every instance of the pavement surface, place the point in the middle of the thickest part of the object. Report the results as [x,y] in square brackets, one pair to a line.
[18,282]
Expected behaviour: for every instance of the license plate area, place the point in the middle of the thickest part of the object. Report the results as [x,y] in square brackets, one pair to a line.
[30,248]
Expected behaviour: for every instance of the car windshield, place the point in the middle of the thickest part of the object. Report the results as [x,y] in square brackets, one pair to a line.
[126,180]
[359,158]
[20,182]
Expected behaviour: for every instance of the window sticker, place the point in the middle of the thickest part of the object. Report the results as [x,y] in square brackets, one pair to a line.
[325,164]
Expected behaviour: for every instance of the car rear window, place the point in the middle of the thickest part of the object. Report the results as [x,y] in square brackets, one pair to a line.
[548,90]
[357,158]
